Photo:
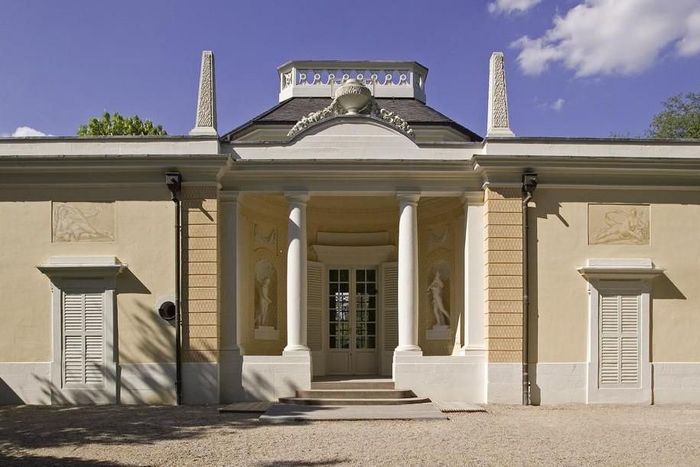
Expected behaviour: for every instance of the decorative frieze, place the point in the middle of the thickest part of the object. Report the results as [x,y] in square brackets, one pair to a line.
[322,78]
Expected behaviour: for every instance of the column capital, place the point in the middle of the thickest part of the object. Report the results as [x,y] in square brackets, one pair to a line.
[298,197]
[225,196]
[409,197]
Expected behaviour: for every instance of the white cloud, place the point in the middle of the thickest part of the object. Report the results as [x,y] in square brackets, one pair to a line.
[510,6]
[24,131]
[599,37]
[558,104]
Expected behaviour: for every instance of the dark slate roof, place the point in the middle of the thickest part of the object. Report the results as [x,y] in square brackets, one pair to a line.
[290,111]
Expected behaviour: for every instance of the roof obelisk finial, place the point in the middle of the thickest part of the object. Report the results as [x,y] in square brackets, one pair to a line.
[498,123]
[206,102]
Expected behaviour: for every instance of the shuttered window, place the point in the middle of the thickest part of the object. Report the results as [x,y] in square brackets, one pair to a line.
[314,317]
[619,342]
[83,339]
[390,305]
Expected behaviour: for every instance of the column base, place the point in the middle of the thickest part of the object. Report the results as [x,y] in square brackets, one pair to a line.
[296,351]
[411,350]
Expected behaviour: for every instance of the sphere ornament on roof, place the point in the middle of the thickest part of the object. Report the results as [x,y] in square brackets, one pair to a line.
[352,98]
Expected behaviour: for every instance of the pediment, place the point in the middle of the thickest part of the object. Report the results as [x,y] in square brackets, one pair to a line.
[353,132]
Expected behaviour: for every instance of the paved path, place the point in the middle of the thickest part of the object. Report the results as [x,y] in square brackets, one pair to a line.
[201,436]
[284,413]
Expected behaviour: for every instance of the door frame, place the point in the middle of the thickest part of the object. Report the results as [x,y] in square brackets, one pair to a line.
[379,317]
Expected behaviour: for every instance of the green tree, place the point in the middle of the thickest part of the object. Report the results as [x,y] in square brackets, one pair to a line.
[117,125]
[679,119]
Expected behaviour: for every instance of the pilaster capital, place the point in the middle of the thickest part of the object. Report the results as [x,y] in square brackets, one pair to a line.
[297,197]
[408,197]
[472,198]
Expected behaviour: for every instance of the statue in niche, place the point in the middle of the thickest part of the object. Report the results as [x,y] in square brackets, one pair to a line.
[265,296]
[264,302]
[442,317]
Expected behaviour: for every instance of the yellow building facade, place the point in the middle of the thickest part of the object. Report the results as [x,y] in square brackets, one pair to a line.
[351,231]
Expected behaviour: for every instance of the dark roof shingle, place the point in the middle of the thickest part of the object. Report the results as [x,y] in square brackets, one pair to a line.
[292,110]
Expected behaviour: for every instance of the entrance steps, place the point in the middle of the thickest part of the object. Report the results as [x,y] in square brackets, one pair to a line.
[354,392]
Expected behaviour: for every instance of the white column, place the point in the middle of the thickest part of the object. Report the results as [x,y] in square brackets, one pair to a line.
[296,273]
[408,272]
[229,282]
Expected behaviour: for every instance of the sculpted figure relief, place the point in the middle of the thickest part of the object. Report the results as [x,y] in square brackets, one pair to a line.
[265,236]
[442,316]
[76,222]
[621,225]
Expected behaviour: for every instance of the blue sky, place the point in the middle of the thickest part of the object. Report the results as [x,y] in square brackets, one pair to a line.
[574,67]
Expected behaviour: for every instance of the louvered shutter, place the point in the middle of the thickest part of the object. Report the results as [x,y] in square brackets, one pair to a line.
[619,345]
[390,305]
[83,338]
[314,304]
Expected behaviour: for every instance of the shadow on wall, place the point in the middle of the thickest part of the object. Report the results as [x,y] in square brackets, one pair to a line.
[662,286]
[664,289]
[145,370]
[264,385]
[7,395]
[533,297]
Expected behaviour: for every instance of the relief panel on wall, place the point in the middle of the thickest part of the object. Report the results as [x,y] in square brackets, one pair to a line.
[618,224]
[438,237]
[265,236]
[82,222]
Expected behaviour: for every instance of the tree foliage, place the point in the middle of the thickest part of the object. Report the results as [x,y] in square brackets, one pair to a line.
[117,125]
[679,119]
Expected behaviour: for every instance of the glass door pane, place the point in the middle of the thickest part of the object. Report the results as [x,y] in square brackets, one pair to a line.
[339,331]
[365,309]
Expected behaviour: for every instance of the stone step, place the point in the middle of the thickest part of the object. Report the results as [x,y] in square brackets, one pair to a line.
[341,402]
[355,394]
[350,384]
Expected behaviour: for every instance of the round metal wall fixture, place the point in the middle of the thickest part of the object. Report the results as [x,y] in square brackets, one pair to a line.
[167,308]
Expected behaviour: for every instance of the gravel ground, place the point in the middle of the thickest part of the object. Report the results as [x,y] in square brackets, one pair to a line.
[566,435]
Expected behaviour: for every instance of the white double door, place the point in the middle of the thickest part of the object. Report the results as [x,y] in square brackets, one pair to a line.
[352,320]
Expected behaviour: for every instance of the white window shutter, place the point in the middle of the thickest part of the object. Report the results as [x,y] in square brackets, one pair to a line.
[619,346]
[314,314]
[83,339]
[390,304]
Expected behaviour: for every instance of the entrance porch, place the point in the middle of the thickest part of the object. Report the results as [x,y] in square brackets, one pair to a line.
[365,285]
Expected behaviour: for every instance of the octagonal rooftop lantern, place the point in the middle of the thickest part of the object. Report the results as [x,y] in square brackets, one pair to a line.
[321,78]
